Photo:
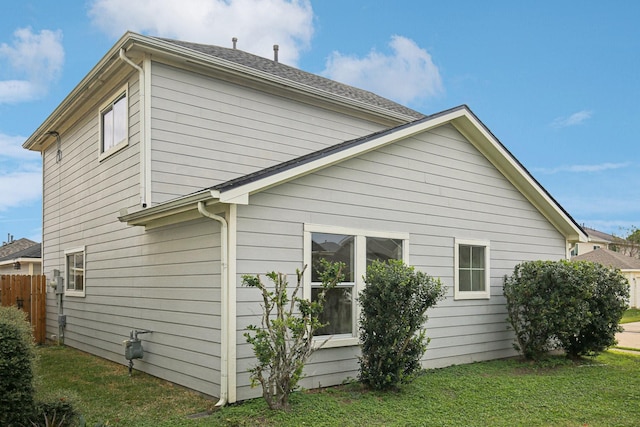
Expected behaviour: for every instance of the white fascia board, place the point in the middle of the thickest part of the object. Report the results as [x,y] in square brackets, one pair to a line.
[167,209]
[243,192]
[78,94]
[496,153]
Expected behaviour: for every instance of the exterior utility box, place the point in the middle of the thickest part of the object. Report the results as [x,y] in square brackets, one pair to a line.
[133,349]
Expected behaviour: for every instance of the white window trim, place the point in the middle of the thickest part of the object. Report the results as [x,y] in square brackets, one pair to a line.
[464,295]
[72,292]
[124,90]
[332,341]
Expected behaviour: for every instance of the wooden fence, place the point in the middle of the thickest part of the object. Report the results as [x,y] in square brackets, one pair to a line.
[28,293]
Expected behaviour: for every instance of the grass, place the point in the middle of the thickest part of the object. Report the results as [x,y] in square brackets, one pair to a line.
[555,392]
[631,315]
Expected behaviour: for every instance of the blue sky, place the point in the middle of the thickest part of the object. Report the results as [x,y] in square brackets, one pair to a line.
[558,83]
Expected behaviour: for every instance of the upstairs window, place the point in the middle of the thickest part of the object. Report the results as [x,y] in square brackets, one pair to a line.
[472,271]
[114,124]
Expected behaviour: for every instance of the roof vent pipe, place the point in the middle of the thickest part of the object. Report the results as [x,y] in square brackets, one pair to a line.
[275,52]
[234,40]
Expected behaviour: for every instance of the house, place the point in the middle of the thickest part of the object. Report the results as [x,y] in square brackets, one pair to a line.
[628,266]
[174,168]
[20,256]
[597,239]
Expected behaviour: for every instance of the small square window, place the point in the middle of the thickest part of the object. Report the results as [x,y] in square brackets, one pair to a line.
[471,270]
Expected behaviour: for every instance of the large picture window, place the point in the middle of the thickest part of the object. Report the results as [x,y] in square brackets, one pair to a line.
[114,124]
[75,267]
[472,269]
[356,249]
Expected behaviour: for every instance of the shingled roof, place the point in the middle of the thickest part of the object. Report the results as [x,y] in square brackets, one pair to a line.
[610,258]
[15,247]
[284,71]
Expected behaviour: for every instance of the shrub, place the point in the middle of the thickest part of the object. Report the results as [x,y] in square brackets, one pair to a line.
[609,293]
[393,311]
[575,306]
[285,341]
[17,359]
[56,408]
[545,299]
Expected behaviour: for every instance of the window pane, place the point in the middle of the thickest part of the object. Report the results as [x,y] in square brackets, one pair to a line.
[464,256]
[70,276]
[333,248]
[464,278]
[477,257]
[337,310]
[382,249]
[107,130]
[75,272]
[477,280]
[79,272]
[120,120]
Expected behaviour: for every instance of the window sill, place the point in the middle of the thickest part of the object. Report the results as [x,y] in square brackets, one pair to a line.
[471,295]
[75,294]
[113,150]
[333,341]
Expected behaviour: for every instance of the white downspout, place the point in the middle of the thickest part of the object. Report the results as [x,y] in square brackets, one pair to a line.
[143,135]
[224,296]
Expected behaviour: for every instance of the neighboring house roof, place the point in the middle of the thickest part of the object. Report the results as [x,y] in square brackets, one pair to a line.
[610,258]
[284,71]
[34,251]
[462,118]
[599,236]
[15,246]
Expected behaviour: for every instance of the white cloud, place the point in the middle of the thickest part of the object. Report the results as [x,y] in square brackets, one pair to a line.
[258,24]
[20,187]
[11,147]
[37,58]
[583,168]
[407,74]
[572,120]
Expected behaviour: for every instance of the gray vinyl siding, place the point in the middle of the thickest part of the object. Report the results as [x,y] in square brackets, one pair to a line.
[436,187]
[166,280]
[206,131]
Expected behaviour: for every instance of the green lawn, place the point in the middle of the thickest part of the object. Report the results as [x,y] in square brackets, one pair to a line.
[631,315]
[595,392]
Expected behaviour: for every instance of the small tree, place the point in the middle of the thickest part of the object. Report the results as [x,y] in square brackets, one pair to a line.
[393,311]
[17,360]
[284,342]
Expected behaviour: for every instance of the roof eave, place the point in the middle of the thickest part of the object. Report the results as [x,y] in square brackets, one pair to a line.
[161,214]
[36,141]
[473,129]
[480,136]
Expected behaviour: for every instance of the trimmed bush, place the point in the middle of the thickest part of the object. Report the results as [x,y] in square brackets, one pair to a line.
[544,299]
[607,302]
[393,313]
[17,359]
[575,306]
